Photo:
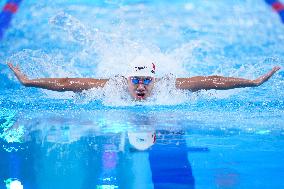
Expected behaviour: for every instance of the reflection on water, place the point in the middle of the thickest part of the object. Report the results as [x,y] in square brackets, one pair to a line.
[59,151]
[63,154]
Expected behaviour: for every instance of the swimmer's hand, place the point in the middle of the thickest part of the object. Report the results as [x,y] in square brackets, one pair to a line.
[21,77]
[266,76]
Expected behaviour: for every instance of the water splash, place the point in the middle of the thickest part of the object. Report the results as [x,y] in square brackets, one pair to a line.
[76,30]
[185,39]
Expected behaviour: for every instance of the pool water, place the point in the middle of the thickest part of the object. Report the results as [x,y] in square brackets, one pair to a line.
[177,139]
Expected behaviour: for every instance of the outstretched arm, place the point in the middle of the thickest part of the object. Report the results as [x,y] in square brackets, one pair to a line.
[58,84]
[221,83]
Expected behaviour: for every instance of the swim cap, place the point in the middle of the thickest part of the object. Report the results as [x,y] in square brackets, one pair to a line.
[142,140]
[141,66]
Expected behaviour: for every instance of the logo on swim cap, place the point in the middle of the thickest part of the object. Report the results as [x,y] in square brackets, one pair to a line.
[142,66]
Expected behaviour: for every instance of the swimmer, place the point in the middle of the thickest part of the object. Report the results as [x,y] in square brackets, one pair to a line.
[141,80]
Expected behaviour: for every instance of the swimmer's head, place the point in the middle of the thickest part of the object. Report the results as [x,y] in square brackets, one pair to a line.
[141,66]
[141,78]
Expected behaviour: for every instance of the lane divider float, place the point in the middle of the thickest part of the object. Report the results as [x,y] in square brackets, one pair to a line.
[278,7]
[9,9]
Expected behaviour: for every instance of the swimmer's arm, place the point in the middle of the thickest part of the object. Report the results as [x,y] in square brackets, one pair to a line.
[221,83]
[58,84]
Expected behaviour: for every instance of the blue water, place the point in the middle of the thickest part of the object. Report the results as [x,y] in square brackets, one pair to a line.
[210,139]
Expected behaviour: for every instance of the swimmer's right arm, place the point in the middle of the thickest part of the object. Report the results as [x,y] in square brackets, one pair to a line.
[58,84]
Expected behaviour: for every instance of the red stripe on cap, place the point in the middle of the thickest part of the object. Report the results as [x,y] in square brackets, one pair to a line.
[11,7]
[154,66]
[278,6]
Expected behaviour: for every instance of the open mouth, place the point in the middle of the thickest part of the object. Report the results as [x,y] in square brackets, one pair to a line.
[140,95]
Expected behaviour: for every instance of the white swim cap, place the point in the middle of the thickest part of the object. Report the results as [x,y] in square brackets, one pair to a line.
[141,66]
[142,140]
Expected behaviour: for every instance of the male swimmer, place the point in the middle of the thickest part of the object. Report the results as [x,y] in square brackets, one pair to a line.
[141,80]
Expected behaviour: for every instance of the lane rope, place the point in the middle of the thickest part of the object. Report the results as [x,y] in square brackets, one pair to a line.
[278,7]
[6,15]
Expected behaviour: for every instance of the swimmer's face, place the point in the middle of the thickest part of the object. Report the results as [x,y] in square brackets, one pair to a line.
[140,87]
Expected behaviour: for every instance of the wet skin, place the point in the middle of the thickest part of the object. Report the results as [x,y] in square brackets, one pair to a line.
[140,91]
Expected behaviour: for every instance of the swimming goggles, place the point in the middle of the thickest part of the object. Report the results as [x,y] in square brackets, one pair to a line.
[145,81]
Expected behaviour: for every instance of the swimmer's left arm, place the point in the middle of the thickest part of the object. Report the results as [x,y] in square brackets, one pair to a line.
[221,83]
